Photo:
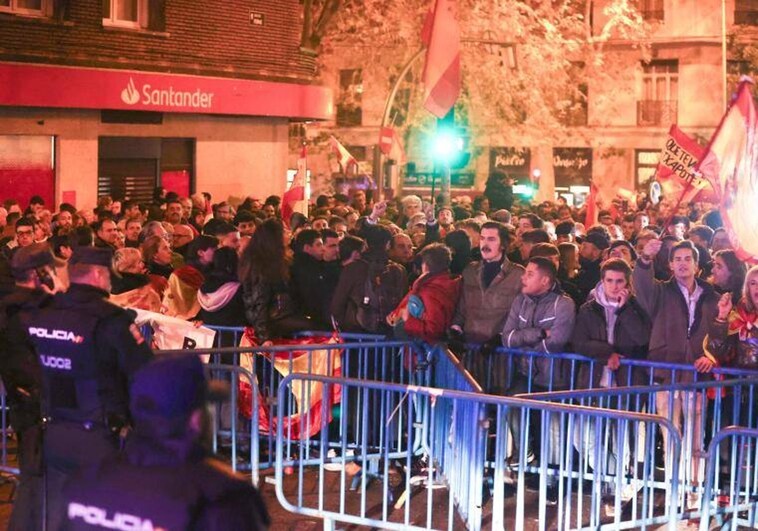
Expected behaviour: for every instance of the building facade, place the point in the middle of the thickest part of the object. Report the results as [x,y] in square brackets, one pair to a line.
[614,140]
[119,96]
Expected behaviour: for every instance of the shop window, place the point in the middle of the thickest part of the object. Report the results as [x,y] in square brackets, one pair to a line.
[27,167]
[349,104]
[645,164]
[41,8]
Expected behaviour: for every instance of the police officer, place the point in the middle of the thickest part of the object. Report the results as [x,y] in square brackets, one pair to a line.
[88,349]
[165,478]
[34,282]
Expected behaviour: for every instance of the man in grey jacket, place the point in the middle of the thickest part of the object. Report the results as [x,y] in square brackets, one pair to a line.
[487,293]
[541,320]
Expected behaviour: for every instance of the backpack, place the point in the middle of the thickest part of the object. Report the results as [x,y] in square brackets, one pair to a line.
[374,304]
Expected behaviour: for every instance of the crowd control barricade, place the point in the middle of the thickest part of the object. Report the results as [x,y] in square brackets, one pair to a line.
[496,371]
[230,336]
[698,410]
[735,504]
[463,448]
[246,427]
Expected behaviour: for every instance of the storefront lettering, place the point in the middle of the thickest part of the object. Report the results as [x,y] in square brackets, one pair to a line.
[578,163]
[166,97]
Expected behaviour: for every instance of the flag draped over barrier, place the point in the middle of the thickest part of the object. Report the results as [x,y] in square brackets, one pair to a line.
[731,166]
[172,333]
[294,199]
[325,362]
[442,69]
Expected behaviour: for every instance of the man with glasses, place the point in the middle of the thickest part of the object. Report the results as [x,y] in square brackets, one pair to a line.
[24,237]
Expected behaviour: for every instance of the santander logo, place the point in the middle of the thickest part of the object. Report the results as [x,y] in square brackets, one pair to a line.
[129,95]
[150,96]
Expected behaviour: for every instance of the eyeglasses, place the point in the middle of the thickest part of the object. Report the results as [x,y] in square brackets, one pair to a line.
[27,232]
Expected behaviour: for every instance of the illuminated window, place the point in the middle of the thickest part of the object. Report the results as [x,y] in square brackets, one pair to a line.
[349,104]
[27,7]
[125,13]
[660,93]
[645,164]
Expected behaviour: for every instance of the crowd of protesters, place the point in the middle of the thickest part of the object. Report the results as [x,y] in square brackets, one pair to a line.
[644,281]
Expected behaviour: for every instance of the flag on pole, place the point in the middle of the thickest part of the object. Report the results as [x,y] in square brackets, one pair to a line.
[676,169]
[294,199]
[442,70]
[731,165]
[346,160]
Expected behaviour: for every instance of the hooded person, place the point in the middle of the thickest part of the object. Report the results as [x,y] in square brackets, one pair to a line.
[165,477]
[220,296]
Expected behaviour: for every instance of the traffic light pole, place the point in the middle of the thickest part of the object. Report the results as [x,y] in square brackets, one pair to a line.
[445,185]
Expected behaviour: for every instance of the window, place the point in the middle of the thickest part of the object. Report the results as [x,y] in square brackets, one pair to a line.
[645,164]
[660,89]
[651,9]
[26,7]
[746,12]
[125,13]
[349,110]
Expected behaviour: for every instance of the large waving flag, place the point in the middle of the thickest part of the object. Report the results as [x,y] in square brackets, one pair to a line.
[442,70]
[294,199]
[731,165]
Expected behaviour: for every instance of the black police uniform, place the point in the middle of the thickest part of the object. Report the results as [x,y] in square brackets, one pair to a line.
[152,488]
[20,372]
[88,349]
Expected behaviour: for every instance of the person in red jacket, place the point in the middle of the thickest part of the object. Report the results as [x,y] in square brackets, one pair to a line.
[427,310]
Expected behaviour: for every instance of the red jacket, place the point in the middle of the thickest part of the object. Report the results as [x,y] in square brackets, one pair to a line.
[439,293]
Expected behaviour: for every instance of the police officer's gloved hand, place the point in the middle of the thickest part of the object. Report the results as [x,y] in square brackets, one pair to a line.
[493,343]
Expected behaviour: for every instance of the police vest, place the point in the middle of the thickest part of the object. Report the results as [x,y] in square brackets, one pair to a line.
[65,343]
[121,496]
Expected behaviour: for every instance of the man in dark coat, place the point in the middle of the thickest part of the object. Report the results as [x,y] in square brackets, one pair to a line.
[313,280]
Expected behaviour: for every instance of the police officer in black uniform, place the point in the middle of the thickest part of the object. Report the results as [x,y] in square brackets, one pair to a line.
[165,478]
[35,281]
[88,349]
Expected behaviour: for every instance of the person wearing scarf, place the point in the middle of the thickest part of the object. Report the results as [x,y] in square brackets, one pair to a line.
[180,299]
[220,296]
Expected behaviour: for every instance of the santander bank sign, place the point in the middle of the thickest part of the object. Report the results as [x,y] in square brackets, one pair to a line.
[149,95]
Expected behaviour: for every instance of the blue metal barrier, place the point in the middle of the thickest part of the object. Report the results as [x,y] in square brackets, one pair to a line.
[738,503]
[699,409]
[456,441]
[495,371]
[387,361]
[230,336]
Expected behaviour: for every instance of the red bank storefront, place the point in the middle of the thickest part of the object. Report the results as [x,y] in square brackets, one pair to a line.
[72,134]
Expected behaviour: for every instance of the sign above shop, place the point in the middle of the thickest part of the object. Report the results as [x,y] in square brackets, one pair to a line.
[26,85]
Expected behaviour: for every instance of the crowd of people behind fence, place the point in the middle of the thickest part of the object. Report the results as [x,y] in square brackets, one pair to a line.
[658,282]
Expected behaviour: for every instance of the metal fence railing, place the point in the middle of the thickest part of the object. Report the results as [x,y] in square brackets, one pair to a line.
[461,448]
[735,504]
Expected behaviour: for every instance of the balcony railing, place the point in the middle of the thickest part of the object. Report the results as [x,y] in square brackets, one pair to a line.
[656,112]
[747,17]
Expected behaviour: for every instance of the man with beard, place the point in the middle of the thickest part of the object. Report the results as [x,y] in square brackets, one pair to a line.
[488,289]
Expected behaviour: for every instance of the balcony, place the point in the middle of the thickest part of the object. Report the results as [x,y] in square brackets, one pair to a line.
[747,17]
[656,112]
